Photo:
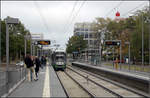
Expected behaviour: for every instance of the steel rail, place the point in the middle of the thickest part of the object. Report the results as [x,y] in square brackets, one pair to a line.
[117,84]
[98,84]
[92,95]
[62,85]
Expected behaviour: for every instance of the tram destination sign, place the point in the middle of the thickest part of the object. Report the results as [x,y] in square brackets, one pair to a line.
[112,43]
[43,42]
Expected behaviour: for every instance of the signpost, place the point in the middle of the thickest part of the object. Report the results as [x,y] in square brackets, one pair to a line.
[115,43]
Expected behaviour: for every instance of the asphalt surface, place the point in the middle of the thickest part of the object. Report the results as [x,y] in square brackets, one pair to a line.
[48,85]
[31,89]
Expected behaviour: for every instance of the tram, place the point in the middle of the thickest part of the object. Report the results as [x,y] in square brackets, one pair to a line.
[58,60]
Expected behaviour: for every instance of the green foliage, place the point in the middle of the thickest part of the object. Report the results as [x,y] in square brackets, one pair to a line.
[76,43]
[16,41]
[130,30]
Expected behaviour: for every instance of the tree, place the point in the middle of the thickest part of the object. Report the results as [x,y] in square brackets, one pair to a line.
[16,42]
[76,43]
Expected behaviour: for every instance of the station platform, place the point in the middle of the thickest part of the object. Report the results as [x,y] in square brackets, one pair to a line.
[48,85]
[134,80]
[136,75]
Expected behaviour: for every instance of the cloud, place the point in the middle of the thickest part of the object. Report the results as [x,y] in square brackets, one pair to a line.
[51,17]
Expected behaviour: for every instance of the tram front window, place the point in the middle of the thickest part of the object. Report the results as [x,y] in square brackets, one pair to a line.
[59,58]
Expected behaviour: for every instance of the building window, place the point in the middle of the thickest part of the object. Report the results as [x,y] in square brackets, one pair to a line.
[86,35]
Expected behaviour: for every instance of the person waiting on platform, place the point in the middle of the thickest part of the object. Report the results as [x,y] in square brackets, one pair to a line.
[30,67]
[37,65]
[43,61]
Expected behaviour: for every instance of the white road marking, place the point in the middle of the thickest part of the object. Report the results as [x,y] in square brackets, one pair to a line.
[46,89]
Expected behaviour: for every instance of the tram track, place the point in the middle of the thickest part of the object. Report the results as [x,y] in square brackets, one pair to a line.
[116,90]
[70,86]
[90,87]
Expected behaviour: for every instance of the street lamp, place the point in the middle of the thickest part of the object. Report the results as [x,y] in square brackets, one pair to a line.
[8,22]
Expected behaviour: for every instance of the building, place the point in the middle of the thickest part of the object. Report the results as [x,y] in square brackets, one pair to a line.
[90,34]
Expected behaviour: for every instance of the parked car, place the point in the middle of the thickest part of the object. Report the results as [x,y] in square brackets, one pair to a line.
[20,63]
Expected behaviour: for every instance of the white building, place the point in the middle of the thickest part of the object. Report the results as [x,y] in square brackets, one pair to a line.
[90,34]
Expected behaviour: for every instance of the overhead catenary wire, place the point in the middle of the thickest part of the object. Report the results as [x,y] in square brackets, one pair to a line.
[42,17]
[77,13]
[117,6]
[125,14]
[71,14]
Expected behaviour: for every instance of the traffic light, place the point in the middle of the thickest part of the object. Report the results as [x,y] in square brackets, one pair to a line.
[114,43]
[43,42]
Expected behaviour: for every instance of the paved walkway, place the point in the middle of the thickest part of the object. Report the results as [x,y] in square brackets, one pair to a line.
[145,74]
[130,73]
[48,85]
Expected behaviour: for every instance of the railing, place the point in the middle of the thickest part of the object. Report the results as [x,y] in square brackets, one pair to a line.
[8,79]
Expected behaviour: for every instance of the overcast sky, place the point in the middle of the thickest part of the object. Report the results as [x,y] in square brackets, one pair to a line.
[55,19]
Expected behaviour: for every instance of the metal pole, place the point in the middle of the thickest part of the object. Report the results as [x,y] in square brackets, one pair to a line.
[142,44]
[7,54]
[129,57]
[0,45]
[37,51]
[120,54]
[25,46]
[113,56]
[33,50]
[149,47]
[100,49]
[7,46]
[41,50]
[88,46]
[31,46]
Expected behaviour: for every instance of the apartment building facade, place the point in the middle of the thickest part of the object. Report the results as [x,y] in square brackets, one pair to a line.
[89,33]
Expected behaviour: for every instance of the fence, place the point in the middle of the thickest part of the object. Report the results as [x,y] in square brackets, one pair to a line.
[8,79]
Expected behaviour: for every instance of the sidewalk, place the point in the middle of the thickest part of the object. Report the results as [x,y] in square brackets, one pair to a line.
[47,86]
[30,89]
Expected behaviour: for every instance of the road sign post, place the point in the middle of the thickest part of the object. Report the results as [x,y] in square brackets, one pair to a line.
[115,43]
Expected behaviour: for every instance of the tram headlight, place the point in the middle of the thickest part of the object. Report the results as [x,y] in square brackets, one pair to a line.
[60,63]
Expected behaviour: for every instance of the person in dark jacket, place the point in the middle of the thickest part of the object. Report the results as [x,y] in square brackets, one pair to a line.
[30,67]
[43,61]
[38,65]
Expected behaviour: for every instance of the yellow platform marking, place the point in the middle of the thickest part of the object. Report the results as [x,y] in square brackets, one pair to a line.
[46,89]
